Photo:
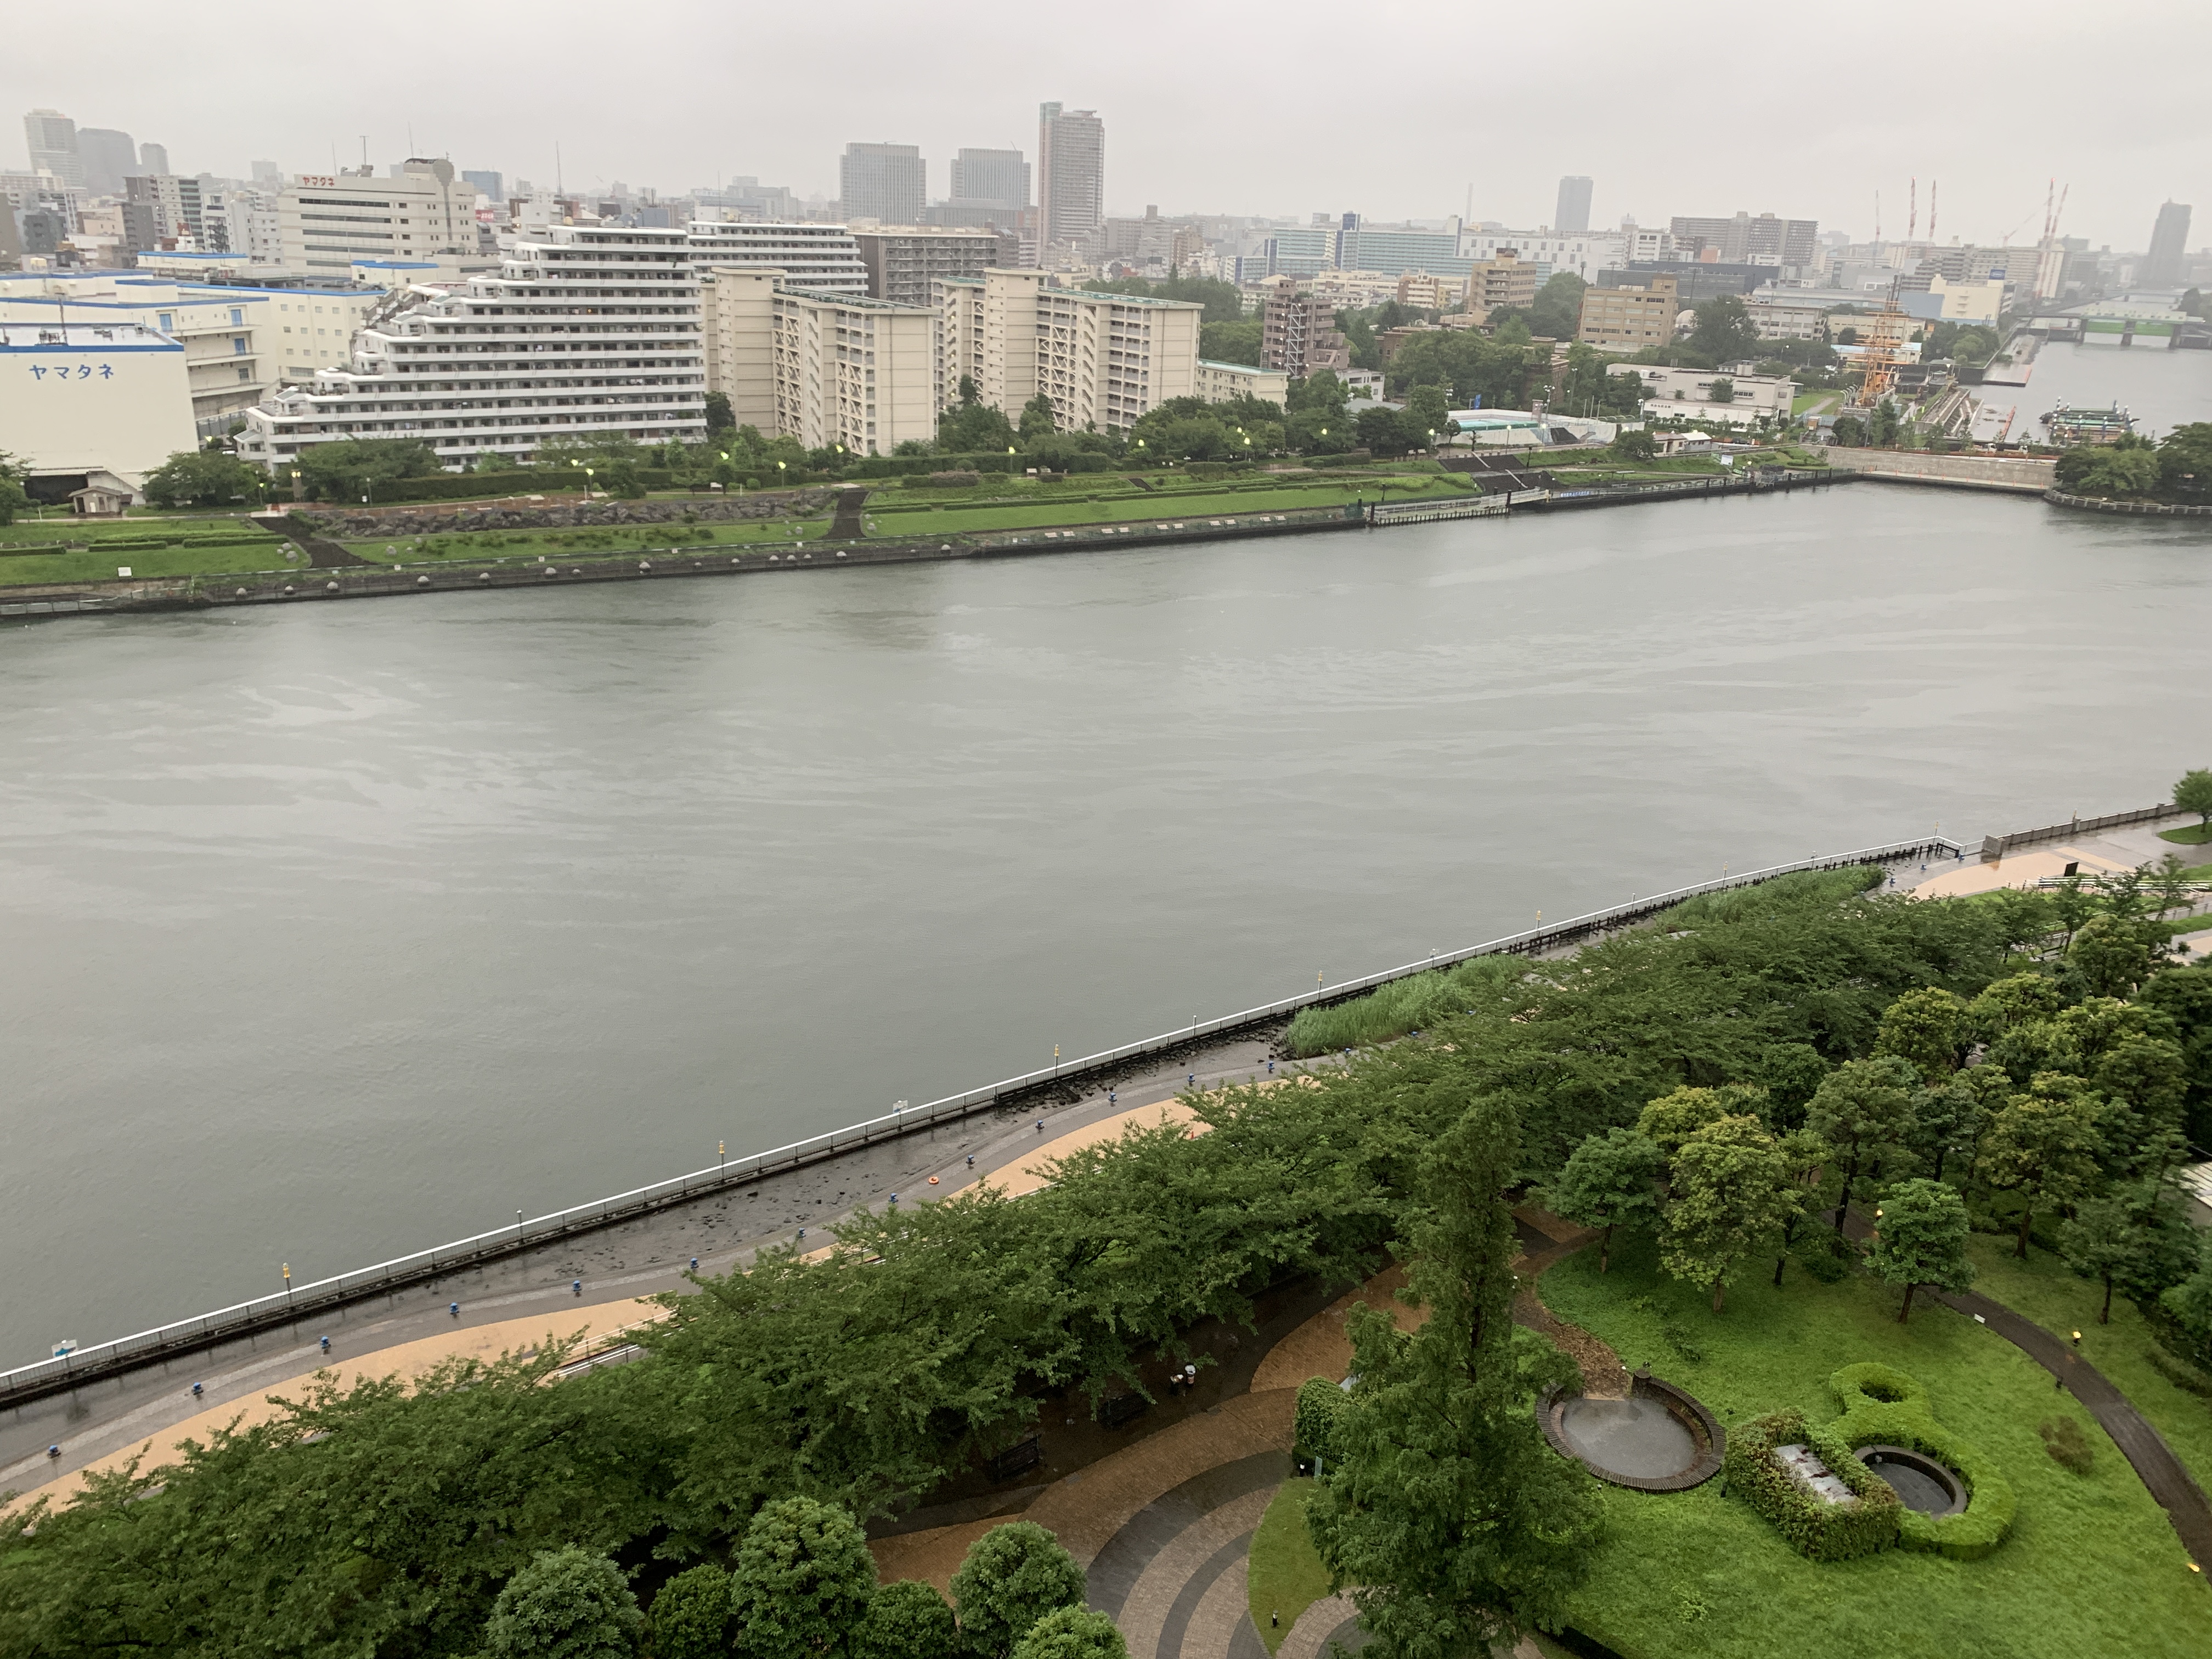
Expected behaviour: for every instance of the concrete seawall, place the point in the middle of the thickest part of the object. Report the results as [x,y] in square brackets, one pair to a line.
[2018,475]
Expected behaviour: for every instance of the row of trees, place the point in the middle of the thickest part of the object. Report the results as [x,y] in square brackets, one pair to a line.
[2178,468]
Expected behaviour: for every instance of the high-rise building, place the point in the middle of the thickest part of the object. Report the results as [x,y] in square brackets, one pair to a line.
[991,178]
[153,158]
[491,186]
[329,220]
[1507,280]
[587,332]
[904,264]
[1103,359]
[813,259]
[2169,242]
[824,369]
[1070,173]
[176,204]
[108,157]
[1573,210]
[268,172]
[51,136]
[888,182]
[1298,331]
[1748,240]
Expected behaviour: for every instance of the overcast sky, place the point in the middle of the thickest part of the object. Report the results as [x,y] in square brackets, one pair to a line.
[1390,109]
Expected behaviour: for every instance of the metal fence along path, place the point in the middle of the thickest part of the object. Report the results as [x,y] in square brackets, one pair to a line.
[65,1370]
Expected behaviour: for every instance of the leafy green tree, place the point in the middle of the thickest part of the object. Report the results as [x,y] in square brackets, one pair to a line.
[1885,425]
[1850,431]
[1453,1523]
[13,497]
[1072,1633]
[1013,1576]
[1223,301]
[2043,1146]
[2114,1239]
[1038,419]
[1427,410]
[1557,312]
[206,478]
[2112,956]
[1318,393]
[1724,330]
[691,1616]
[2184,461]
[2006,1003]
[1611,1181]
[2189,1304]
[721,417]
[1468,366]
[1946,1120]
[2107,470]
[566,1604]
[1673,1118]
[1231,343]
[803,1581]
[1926,1028]
[2193,794]
[1729,1192]
[972,427]
[1720,389]
[353,467]
[906,1621]
[1861,1110]
[1791,1073]
[1921,1240]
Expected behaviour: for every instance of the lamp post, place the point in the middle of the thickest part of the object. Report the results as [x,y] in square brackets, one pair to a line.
[288,1283]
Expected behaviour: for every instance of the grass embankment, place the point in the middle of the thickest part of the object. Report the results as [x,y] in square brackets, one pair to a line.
[88,550]
[896,519]
[2189,835]
[596,542]
[1284,1576]
[2092,1566]
[2044,1289]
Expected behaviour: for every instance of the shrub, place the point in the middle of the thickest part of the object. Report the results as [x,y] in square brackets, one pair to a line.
[905,1620]
[1013,1576]
[950,480]
[566,1604]
[1864,1524]
[1828,1256]
[1884,1406]
[691,1616]
[1320,1403]
[1072,1633]
[2067,1446]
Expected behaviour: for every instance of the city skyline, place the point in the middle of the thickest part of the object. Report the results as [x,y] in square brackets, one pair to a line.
[2127,145]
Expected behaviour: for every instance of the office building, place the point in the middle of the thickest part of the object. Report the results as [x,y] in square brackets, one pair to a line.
[1298,331]
[1777,319]
[2169,243]
[1507,280]
[1151,240]
[52,137]
[814,259]
[1070,173]
[108,157]
[1436,251]
[586,331]
[94,400]
[327,220]
[888,182]
[904,266]
[268,173]
[174,203]
[1299,251]
[1549,251]
[1103,359]
[1573,213]
[1746,240]
[1688,392]
[991,178]
[1629,319]
[153,158]
[824,369]
[1218,382]
[1696,280]
[746,196]
[492,186]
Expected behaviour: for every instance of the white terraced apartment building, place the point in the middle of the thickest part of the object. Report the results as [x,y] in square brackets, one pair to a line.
[812,258]
[586,332]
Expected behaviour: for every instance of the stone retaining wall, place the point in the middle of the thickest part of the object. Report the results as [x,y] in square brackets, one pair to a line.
[2030,475]
[441,519]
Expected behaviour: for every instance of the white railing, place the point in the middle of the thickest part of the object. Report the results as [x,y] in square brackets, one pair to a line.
[63,1370]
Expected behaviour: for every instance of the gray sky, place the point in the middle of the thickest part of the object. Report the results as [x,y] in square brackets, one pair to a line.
[1388,108]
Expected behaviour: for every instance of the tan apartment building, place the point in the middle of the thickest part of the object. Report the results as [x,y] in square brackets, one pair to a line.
[1506,280]
[1298,331]
[1629,319]
[1220,382]
[824,369]
[1103,359]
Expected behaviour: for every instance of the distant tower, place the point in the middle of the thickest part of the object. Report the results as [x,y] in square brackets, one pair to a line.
[108,158]
[154,158]
[1070,173]
[2169,239]
[1573,211]
[51,136]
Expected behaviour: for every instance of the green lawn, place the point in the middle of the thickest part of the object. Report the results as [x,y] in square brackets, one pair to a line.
[2189,835]
[590,543]
[1815,403]
[1286,1576]
[2092,1566]
[1137,509]
[2043,1289]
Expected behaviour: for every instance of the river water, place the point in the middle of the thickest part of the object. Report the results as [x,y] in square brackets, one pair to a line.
[333,931]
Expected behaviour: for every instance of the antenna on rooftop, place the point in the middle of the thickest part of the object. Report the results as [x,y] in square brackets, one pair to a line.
[1912,215]
[1931,210]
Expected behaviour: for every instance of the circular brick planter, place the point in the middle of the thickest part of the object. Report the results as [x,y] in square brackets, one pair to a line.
[1707,1440]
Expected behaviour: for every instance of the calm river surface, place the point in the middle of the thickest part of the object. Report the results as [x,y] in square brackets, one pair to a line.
[335,932]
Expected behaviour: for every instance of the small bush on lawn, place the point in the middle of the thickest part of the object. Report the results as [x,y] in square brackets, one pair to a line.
[1320,1401]
[2067,1446]
[1863,1524]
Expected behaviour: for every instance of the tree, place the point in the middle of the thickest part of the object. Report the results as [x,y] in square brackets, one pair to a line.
[803,1581]
[1557,311]
[1013,1576]
[1673,1118]
[1231,343]
[1730,1191]
[1636,447]
[13,499]
[1427,411]
[1452,1521]
[1926,1028]
[1860,1109]
[1849,432]
[1720,389]
[2189,1303]
[1072,1633]
[2007,1004]
[353,467]
[906,1621]
[1724,330]
[2184,461]
[973,427]
[2108,470]
[720,416]
[2194,794]
[2043,1146]
[566,1604]
[691,1616]
[1611,1180]
[1921,1240]
[2101,1241]
[205,477]
[1038,419]
[1791,1073]
[2112,956]
[1946,1118]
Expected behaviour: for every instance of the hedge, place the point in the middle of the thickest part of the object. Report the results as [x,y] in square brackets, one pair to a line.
[1319,1402]
[1884,1406]
[1816,1528]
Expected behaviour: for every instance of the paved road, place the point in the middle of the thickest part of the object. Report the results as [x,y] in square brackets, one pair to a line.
[637,1258]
